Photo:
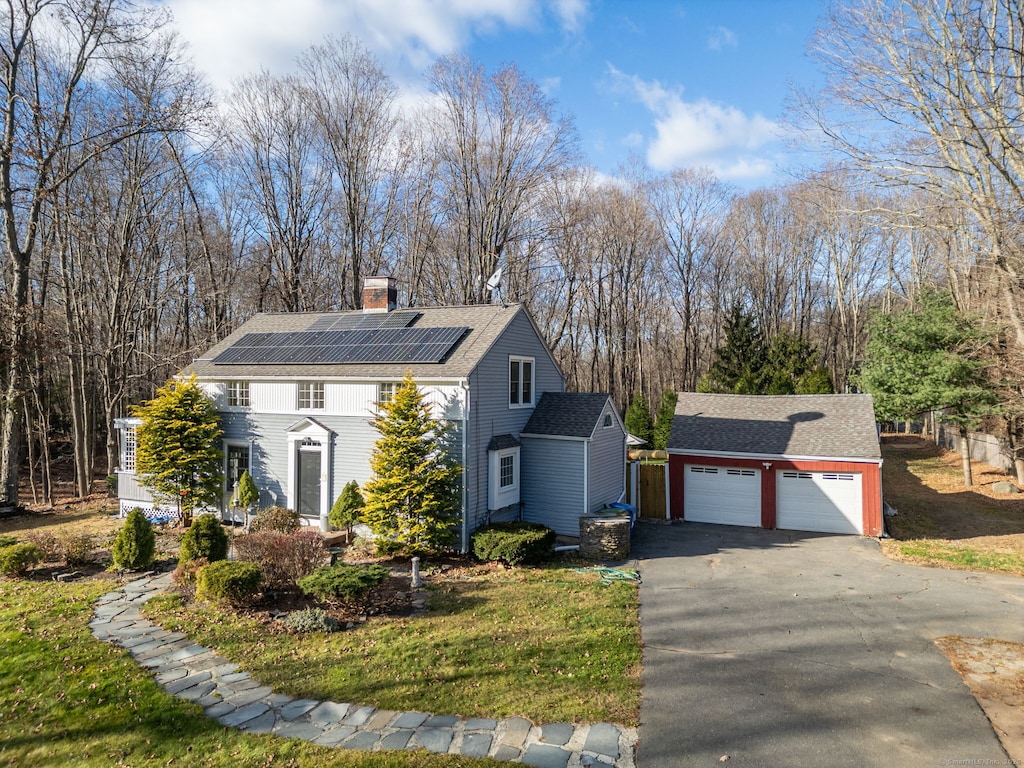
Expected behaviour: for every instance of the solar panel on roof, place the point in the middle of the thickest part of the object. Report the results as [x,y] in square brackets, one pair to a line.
[351,321]
[371,345]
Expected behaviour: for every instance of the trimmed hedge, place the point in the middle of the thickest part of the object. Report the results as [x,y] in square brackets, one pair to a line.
[17,559]
[204,538]
[343,582]
[234,582]
[513,543]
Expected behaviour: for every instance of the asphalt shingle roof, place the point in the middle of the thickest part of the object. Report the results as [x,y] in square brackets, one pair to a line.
[486,323]
[566,414]
[833,426]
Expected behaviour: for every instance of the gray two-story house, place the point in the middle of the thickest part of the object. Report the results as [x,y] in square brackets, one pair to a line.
[297,393]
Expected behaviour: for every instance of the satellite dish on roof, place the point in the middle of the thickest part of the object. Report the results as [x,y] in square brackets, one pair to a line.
[494,280]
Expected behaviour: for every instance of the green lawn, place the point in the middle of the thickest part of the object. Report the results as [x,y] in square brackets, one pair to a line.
[69,699]
[546,644]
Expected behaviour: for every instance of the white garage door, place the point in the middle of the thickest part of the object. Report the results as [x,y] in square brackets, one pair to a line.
[722,495]
[827,502]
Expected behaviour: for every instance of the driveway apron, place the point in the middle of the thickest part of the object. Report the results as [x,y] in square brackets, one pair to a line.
[779,648]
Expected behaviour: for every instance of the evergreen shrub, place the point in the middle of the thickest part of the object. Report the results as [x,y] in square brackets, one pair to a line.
[311,620]
[204,538]
[343,582]
[228,580]
[516,543]
[17,559]
[135,545]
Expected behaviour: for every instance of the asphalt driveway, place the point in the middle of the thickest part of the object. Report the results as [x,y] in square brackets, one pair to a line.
[787,649]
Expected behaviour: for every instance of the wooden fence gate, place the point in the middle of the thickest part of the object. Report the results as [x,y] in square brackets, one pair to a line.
[648,484]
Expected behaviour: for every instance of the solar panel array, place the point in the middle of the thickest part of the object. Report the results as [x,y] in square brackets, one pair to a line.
[373,345]
[360,321]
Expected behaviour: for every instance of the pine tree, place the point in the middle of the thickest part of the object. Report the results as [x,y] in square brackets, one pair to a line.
[738,367]
[663,421]
[792,368]
[928,359]
[178,447]
[412,500]
[348,505]
[638,419]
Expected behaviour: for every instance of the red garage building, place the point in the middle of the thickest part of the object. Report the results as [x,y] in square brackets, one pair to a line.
[800,462]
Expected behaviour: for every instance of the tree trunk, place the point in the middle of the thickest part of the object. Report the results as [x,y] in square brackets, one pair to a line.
[1018,465]
[965,457]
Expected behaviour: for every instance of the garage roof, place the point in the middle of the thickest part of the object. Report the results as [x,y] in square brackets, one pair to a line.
[827,426]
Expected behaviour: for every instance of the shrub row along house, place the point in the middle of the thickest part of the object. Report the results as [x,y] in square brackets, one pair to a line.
[297,394]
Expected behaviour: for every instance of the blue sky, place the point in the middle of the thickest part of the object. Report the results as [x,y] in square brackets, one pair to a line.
[678,82]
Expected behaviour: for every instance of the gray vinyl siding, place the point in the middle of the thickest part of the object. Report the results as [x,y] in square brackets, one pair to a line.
[490,413]
[351,445]
[607,463]
[552,480]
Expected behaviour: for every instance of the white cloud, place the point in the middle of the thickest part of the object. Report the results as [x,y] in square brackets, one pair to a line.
[702,133]
[721,37]
[571,14]
[231,38]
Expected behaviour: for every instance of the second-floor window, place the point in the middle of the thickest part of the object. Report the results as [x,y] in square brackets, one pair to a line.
[520,381]
[238,394]
[311,395]
[385,392]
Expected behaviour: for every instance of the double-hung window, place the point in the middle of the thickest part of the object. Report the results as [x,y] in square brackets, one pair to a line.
[311,395]
[238,394]
[520,381]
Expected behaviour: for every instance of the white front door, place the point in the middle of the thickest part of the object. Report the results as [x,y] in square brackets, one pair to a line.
[725,495]
[826,502]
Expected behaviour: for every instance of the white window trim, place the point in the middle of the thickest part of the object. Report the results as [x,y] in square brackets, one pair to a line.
[238,384]
[390,387]
[498,497]
[533,381]
[314,432]
[127,437]
[313,386]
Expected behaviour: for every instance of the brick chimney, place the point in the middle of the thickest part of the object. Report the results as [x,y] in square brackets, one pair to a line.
[380,294]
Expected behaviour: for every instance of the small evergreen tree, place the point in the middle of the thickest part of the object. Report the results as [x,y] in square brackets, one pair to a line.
[663,421]
[638,419]
[178,455]
[206,538]
[738,367]
[345,512]
[246,494]
[412,501]
[135,545]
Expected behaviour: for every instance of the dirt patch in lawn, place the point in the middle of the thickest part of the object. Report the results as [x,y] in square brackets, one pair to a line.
[942,523]
[994,672]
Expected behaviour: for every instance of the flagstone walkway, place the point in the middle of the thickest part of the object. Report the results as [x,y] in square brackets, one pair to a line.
[195,673]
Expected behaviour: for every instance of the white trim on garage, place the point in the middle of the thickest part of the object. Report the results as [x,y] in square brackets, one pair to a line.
[825,502]
[724,495]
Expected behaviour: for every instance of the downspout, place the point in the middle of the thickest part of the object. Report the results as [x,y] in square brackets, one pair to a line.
[586,477]
[465,467]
